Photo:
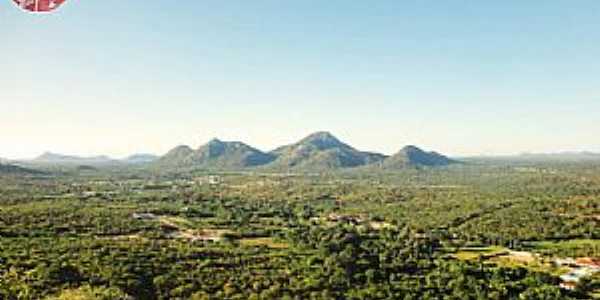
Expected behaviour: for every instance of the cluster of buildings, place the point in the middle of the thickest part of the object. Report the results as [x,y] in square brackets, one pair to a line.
[210,179]
[579,268]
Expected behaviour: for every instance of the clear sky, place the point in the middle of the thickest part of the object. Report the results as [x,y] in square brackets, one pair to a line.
[461,77]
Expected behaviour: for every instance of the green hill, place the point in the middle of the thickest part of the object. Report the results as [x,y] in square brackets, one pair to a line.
[321,151]
[412,156]
[178,156]
[216,154]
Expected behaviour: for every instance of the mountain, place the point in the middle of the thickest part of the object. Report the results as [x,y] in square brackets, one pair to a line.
[179,156]
[321,151]
[412,156]
[216,154]
[231,155]
[140,159]
[60,159]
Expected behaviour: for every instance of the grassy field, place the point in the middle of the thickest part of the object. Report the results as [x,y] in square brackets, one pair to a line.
[263,241]
[474,253]
[581,247]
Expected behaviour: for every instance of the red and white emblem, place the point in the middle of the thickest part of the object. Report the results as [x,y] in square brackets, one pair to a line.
[39,5]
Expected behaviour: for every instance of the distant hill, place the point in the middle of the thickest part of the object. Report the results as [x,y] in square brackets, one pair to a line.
[560,156]
[60,159]
[49,158]
[141,158]
[321,151]
[16,170]
[216,154]
[85,168]
[412,156]
[525,158]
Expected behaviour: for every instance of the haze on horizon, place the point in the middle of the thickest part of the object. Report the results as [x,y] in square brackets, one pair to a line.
[117,78]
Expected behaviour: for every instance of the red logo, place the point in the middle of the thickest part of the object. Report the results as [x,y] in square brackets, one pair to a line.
[39,5]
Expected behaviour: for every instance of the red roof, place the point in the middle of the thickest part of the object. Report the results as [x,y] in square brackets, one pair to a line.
[588,261]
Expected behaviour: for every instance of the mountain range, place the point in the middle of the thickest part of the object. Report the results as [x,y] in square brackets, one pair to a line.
[49,158]
[320,151]
[557,157]
[55,158]
[562,156]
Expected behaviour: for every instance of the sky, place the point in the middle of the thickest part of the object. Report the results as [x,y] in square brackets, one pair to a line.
[460,77]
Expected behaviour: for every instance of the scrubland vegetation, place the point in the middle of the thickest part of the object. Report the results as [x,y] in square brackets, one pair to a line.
[473,231]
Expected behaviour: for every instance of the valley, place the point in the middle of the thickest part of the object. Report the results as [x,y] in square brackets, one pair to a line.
[459,231]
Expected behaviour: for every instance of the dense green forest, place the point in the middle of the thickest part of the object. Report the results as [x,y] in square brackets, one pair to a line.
[473,231]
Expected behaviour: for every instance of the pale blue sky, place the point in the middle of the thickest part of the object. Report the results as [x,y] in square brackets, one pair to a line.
[461,77]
